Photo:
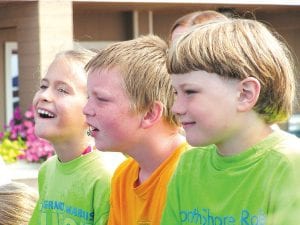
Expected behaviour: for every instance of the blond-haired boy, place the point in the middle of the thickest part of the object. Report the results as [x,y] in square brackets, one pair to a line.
[129,110]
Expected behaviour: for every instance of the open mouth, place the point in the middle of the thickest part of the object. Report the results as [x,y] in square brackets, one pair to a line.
[93,129]
[45,114]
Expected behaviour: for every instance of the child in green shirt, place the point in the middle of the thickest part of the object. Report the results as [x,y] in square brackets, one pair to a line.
[233,79]
[74,185]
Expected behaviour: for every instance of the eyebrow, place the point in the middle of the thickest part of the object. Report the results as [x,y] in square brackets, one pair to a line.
[185,84]
[44,79]
[58,82]
[100,91]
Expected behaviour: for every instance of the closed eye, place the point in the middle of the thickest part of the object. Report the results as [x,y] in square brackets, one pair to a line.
[102,99]
[189,92]
[42,86]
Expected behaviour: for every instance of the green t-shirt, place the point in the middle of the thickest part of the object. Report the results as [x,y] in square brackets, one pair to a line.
[260,186]
[74,193]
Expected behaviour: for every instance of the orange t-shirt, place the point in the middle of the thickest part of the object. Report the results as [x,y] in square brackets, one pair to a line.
[143,204]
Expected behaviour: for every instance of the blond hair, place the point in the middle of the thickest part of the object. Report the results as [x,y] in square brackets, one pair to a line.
[81,56]
[17,203]
[236,49]
[142,63]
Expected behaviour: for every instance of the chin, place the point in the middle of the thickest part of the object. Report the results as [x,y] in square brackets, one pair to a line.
[195,142]
[99,147]
[41,132]
[103,147]
[42,135]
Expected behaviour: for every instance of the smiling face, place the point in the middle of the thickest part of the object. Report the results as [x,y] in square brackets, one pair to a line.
[59,101]
[108,111]
[207,106]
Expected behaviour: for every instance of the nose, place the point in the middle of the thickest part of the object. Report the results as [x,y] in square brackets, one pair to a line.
[178,107]
[88,109]
[45,95]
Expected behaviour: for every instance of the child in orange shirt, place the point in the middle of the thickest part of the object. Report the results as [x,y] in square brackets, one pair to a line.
[128,110]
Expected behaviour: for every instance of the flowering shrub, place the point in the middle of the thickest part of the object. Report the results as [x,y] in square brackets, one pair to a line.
[11,149]
[19,141]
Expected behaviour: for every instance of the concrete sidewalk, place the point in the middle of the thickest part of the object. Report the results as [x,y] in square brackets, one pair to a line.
[24,172]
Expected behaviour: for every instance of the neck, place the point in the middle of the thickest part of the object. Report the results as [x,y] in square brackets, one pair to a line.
[67,151]
[156,153]
[245,138]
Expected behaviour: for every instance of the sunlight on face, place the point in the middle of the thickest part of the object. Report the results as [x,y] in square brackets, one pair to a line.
[108,111]
[59,101]
[205,104]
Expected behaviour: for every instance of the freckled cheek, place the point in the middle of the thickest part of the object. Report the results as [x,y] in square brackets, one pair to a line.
[107,121]
[116,124]
[113,130]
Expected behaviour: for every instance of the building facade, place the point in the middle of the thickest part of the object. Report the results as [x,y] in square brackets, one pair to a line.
[32,32]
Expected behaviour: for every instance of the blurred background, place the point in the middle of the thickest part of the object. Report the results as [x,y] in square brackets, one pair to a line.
[32,32]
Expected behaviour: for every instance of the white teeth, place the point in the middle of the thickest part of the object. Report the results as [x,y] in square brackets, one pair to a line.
[92,128]
[45,113]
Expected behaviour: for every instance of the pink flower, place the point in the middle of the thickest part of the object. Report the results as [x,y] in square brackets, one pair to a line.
[20,127]
[29,114]
[17,114]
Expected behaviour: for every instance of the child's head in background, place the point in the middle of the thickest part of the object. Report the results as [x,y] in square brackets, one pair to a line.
[17,203]
[183,23]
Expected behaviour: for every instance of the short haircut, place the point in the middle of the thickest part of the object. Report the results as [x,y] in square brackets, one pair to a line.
[240,48]
[142,63]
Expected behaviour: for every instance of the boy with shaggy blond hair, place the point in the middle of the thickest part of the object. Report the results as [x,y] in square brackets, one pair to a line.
[233,79]
[129,111]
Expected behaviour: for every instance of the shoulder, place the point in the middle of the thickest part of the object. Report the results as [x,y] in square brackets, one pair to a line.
[197,152]
[285,151]
[97,166]
[50,162]
[127,165]
[89,170]
[126,169]
[288,145]
[47,171]
[106,161]
[193,156]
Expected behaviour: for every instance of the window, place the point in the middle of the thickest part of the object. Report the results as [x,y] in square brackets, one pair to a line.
[11,79]
[294,124]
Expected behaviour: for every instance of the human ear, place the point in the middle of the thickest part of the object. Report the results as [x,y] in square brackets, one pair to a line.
[153,115]
[249,90]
